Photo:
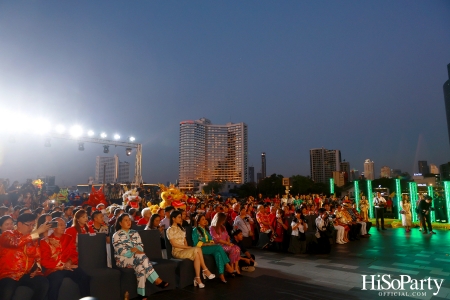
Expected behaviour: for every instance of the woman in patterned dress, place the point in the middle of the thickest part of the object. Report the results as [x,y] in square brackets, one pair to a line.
[202,238]
[129,253]
[180,249]
[221,237]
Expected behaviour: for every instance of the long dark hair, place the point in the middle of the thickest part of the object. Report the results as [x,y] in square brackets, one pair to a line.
[151,221]
[117,226]
[75,224]
[173,215]
[218,222]
[3,220]
[197,225]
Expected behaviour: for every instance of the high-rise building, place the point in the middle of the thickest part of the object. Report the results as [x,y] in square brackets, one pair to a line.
[434,169]
[212,153]
[323,162]
[369,169]
[445,171]
[263,165]
[354,175]
[345,167]
[251,174]
[258,177]
[447,100]
[111,169]
[339,178]
[423,167]
[385,172]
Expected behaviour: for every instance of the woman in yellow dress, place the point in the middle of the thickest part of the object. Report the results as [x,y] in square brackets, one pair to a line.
[180,249]
[364,208]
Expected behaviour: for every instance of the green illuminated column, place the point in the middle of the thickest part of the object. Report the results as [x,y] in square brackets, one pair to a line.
[431,194]
[398,192]
[447,195]
[413,197]
[356,194]
[331,186]
[370,198]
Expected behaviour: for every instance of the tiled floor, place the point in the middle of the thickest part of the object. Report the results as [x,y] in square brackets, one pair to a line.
[339,274]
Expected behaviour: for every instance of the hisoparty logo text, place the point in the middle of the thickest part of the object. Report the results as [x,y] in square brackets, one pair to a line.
[384,282]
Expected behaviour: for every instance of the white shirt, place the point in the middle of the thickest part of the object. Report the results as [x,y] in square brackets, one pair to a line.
[377,201]
[165,223]
[300,228]
[243,225]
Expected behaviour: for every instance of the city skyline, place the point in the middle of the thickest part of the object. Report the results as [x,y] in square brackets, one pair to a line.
[362,77]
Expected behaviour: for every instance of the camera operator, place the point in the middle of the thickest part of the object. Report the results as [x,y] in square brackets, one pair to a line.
[425,216]
[338,236]
[323,229]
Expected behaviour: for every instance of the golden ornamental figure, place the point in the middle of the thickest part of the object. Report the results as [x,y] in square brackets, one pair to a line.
[364,208]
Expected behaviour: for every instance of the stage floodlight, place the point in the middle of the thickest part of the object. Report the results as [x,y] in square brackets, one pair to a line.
[60,129]
[106,149]
[76,131]
[103,135]
[90,133]
[116,136]
[81,146]
[131,138]
[47,143]
[128,151]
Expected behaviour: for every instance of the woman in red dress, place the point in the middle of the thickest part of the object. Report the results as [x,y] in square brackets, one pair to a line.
[79,226]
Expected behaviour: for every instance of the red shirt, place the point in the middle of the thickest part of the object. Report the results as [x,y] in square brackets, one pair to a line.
[18,254]
[72,231]
[262,217]
[142,221]
[56,252]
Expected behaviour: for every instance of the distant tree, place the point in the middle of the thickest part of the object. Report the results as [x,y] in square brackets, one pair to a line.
[245,190]
[213,185]
[271,186]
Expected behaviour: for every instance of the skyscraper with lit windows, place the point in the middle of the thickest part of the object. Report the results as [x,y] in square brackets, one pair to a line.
[447,100]
[212,153]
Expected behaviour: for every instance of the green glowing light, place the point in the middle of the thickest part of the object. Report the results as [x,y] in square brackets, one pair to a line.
[413,196]
[431,194]
[398,194]
[357,194]
[447,195]
[331,186]
[370,198]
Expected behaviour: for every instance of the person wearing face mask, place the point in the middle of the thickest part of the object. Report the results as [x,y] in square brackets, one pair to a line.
[280,226]
[298,239]
[244,222]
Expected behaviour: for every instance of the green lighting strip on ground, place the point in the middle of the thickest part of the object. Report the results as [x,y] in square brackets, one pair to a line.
[370,198]
[357,194]
[398,194]
[413,197]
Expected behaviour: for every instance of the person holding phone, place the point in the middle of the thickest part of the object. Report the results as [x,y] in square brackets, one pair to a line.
[60,260]
[19,267]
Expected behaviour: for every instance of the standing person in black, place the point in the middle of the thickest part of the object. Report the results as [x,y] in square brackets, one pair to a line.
[380,203]
[425,216]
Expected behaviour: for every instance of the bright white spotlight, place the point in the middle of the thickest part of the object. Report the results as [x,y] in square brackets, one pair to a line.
[131,138]
[76,131]
[103,135]
[41,126]
[60,129]
[90,133]
[116,136]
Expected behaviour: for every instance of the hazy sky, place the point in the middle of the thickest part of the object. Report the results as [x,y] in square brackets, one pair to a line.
[364,77]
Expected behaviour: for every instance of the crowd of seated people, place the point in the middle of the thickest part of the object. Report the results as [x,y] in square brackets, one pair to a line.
[223,228]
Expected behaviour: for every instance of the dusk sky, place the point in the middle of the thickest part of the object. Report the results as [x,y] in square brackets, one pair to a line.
[364,77]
